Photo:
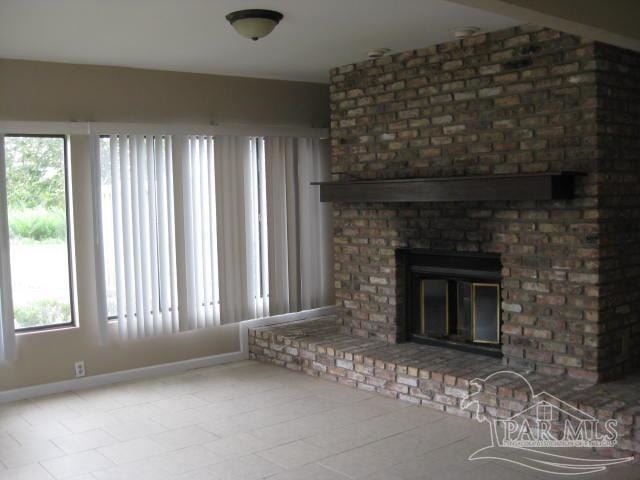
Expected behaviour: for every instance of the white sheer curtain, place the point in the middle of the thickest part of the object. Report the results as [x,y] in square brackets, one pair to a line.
[143,230]
[299,226]
[242,295]
[7,332]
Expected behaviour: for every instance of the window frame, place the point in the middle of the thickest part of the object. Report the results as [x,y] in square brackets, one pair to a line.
[70,243]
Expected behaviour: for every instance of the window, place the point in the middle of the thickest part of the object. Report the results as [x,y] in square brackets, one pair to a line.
[39,228]
[186,220]
[137,226]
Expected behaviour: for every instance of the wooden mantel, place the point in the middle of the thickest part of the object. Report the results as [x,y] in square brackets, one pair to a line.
[530,186]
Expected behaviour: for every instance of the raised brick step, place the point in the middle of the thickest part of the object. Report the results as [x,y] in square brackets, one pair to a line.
[436,377]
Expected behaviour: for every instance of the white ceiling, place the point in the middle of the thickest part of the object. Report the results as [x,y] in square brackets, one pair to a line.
[193,35]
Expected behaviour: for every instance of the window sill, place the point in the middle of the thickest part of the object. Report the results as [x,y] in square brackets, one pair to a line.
[46,329]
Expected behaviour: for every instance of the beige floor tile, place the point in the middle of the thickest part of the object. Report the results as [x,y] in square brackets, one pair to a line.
[7,441]
[38,431]
[358,411]
[132,450]
[440,433]
[399,447]
[178,403]
[135,412]
[358,462]
[249,467]
[183,460]
[9,421]
[132,429]
[294,455]
[184,418]
[87,421]
[80,442]
[76,464]
[29,472]
[312,471]
[338,393]
[237,445]
[360,433]
[202,474]
[141,470]
[32,452]
[183,437]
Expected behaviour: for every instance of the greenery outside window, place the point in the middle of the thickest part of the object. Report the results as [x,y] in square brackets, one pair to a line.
[39,228]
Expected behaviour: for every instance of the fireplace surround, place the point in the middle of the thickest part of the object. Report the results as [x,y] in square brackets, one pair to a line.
[452,299]
[518,102]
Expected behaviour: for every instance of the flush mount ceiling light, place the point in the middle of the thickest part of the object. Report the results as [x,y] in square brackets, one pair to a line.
[254,24]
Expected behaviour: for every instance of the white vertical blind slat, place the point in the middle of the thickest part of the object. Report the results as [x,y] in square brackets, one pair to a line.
[205,260]
[263,230]
[171,228]
[154,323]
[212,221]
[116,145]
[99,240]
[134,226]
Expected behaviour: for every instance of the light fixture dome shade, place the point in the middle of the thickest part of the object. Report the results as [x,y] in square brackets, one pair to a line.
[254,24]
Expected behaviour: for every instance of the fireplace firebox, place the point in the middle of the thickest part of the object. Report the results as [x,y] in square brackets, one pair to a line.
[452,299]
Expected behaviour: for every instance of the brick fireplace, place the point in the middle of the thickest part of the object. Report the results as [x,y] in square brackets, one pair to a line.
[520,101]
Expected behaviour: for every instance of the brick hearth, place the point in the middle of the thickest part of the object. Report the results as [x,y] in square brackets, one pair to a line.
[435,377]
[522,100]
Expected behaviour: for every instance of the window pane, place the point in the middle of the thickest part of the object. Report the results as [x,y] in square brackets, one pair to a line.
[37,210]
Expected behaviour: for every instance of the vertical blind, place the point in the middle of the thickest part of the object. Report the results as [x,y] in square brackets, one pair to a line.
[238,200]
[210,228]
[298,224]
[201,233]
[135,222]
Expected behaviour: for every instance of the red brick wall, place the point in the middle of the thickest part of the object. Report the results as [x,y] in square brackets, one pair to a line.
[519,100]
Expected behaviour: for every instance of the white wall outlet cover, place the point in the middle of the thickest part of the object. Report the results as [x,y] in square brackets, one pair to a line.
[79,369]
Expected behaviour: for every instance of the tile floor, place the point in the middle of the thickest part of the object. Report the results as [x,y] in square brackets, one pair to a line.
[243,421]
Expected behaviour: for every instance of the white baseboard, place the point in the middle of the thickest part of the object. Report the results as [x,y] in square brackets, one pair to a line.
[162,369]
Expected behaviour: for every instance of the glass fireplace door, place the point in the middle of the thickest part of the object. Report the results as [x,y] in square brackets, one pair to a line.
[434,308]
[459,311]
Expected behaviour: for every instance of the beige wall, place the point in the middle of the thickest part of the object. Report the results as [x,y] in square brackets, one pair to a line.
[62,92]
[39,91]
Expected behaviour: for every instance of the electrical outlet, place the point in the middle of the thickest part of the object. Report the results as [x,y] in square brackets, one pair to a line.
[79,368]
